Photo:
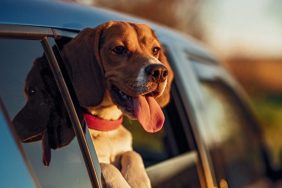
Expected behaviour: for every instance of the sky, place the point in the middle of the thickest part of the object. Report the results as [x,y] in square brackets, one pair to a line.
[253,27]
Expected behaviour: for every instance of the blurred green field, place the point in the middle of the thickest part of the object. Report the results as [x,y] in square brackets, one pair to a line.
[268,110]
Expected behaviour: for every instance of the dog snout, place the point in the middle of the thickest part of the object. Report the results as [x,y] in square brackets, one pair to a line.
[157,72]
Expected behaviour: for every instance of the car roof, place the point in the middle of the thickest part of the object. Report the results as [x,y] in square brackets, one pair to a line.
[72,16]
[53,14]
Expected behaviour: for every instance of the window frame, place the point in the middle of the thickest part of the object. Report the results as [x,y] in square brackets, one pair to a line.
[47,36]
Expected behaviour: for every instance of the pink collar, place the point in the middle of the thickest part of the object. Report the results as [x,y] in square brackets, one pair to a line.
[96,123]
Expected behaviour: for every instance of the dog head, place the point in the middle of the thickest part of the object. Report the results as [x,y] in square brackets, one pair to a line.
[44,116]
[121,64]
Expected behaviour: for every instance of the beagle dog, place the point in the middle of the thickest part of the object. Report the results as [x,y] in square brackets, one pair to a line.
[117,69]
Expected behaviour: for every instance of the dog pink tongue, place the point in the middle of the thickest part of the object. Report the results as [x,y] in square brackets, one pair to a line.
[149,114]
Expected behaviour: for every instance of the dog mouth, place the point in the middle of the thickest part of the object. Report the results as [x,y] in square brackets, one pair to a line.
[123,100]
[142,107]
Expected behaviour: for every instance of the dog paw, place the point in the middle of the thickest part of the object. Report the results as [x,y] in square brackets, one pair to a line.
[112,178]
[133,170]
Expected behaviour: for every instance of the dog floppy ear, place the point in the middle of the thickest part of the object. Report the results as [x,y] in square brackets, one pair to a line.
[165,97]
[83,63]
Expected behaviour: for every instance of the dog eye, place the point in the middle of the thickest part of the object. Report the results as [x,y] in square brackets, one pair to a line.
[156,50]
[120,50]
[31,91]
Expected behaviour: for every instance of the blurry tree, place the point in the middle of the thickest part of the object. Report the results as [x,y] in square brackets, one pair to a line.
[183,15]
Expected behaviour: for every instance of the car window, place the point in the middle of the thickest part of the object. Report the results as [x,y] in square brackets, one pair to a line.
[66,168]
[233,143]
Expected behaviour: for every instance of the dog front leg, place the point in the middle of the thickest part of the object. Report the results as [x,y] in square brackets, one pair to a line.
[133,170]
[111,177]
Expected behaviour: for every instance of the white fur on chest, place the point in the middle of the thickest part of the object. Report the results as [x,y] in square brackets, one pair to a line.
[109,144]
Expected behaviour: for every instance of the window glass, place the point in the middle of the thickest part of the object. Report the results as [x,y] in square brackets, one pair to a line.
[66,168]
[233,144]
[14,171]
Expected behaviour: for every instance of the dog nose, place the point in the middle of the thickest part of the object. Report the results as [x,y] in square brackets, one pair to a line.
[157,72]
